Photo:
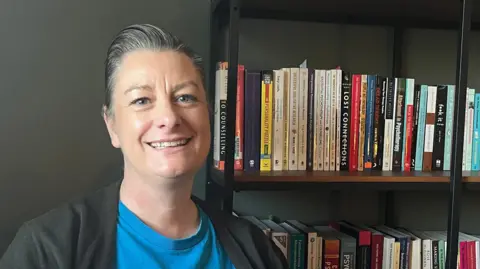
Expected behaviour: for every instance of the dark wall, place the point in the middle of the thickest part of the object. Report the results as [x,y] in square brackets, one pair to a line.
[53,142]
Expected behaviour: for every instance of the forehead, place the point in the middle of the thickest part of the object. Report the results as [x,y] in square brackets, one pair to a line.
[152,67]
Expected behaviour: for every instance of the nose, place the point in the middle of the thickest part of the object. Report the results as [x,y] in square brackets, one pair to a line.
[166,115]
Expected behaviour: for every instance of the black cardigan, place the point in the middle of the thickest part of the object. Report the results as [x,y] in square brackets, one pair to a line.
[82,235]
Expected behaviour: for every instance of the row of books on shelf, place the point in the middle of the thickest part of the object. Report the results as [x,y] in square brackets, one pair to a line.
[300,118]
[349,245]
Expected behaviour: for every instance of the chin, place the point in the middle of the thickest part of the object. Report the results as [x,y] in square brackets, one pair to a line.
[173,169]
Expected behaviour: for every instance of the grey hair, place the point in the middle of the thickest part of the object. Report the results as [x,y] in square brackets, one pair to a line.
[142,36]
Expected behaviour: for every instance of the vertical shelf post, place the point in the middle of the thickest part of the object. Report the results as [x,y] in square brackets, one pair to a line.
[396,41]
[458,132]
[234,20]
[211,188]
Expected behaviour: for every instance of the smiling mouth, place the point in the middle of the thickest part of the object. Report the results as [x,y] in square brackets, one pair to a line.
[169,144]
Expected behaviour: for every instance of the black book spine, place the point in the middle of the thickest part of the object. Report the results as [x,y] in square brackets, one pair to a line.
[252,122]
[399,119]
[345,121]
[416,108]
[378,128]
[439,130]
[310,118]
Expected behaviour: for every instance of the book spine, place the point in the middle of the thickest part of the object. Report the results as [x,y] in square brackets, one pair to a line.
[310,119]
[354,127]
[429,128]
[220,120]
[377,147]
[389,123]
[321,120]
[278,121]
[363,111]
[266,121]
[331,255]
[252,130]
[333,119]
[376,252]
[435,258]
[319,117]
[302,118]
[286,117]
[399,117]
[439,136]
[345,121]
[239,119]
[293,117]
[416,115]
[476,135]
[449,127]
[327,115]
[422,114]
[469,128]
[408,124]
[338,119]
[369,122]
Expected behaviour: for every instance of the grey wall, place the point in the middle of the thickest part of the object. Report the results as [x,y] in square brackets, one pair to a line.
[53,143]
[429,57]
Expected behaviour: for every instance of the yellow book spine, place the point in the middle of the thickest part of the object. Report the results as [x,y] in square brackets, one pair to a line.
[266,121]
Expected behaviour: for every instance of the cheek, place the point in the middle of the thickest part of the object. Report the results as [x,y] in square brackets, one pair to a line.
[134,127]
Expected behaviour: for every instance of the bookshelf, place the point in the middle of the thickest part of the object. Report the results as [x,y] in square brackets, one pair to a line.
[442,14]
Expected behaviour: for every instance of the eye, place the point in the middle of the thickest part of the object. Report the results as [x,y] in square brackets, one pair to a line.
[140,101]
[186,98]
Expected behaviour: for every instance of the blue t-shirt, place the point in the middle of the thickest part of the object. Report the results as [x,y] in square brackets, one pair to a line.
[139,246]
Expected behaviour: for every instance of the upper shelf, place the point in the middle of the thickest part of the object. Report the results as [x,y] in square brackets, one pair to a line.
[390,180]
[438,14]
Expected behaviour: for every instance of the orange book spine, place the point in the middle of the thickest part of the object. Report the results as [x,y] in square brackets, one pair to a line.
[239,119]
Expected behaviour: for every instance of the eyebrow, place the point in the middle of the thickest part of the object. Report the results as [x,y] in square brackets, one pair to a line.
[174,89]
[184,85]
[138,87]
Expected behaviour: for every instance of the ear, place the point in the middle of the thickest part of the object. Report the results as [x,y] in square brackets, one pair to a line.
[110,124]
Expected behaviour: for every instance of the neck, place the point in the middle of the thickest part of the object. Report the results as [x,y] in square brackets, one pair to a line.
[163,204]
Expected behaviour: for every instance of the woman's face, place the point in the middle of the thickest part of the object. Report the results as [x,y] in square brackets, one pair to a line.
[160,114]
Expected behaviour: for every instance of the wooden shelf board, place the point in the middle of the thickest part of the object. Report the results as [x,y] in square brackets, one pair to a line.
[325,177]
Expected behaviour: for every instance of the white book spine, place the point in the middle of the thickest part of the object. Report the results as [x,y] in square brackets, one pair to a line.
[389,129]
[321,120]
[316,119]
[302,118]
[430,128]
[293,139]
[469,127]
[333,117]
[327,109]
[286,117]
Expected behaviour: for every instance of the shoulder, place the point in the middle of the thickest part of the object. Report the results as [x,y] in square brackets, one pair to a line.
[240,235]
[58,235]
[90,209]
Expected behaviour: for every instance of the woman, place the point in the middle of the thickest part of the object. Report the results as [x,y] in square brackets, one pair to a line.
[156,112]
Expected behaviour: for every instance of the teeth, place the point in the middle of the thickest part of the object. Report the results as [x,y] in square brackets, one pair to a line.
[161,145]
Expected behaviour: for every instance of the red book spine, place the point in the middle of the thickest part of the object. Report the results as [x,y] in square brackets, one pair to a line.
[463,255]
[472,261]
[377,251]
[355,114]
[408,138]
[239,118]
[331,255]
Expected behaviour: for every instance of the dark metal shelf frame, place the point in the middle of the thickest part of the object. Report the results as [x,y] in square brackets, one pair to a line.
[227,13]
